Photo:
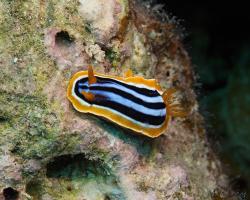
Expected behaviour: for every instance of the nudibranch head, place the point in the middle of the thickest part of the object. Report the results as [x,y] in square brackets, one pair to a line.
[131,102]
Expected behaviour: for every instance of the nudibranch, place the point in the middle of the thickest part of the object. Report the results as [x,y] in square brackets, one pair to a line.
[130,101]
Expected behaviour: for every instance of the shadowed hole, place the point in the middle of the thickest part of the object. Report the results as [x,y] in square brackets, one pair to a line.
[3,119]
[75,174]
[107,197]
[240,185]
[10,194]
[70,166]
[63,39]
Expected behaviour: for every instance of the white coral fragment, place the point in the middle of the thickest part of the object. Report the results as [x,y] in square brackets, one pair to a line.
[95,51]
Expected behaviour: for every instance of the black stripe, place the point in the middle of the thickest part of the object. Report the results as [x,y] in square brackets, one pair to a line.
[124,94]
[144,91]
[158,105]
[82,80]
[130,112]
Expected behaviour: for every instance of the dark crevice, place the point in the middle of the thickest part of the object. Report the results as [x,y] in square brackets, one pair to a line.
[63,39]
[107,197]
[72,166]
[239,184]
[10,194]
[76,168]
[3,119]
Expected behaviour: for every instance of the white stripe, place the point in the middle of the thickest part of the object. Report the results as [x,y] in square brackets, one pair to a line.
[128,83]
[74,94]
[130,104]
[133,84]
[114,111]
[147,99]
[130,119]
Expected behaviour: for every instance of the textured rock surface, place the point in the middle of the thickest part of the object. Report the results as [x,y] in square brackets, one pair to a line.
[50,151]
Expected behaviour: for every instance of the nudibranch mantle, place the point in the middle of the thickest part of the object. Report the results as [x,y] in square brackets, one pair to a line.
[131,101]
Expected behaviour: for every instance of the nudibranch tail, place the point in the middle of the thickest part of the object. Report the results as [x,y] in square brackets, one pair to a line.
[174,109]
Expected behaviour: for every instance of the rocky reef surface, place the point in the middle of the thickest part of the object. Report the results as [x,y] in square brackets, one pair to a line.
[50,151]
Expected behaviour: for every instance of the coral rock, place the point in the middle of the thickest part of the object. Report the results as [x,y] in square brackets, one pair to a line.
[48,150]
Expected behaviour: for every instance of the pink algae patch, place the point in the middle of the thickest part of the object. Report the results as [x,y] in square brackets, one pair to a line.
[64,49]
